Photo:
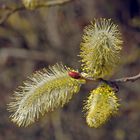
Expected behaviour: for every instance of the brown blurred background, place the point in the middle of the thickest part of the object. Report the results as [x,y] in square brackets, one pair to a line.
[31,40]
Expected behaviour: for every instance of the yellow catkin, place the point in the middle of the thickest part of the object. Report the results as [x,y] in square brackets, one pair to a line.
[100,48]
[43,92]
[100,106]
[32,4]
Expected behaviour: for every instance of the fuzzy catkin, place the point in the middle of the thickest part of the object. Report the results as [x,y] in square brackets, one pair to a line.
[100,48]
[32,4]
[43,92]
[100,105]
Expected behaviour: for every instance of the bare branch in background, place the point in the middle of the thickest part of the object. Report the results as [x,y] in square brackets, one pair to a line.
[23,54]
[11,11]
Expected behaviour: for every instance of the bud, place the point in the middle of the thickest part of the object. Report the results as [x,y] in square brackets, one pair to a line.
[74,74]
[101,105]
[100,48]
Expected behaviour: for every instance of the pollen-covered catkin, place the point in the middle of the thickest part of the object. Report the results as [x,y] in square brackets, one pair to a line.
[43,92]
[100,105]
[100,48]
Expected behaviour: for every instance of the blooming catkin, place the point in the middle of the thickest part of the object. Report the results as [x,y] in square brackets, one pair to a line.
[32,4]
[100,106]
[43,92]
[100,48]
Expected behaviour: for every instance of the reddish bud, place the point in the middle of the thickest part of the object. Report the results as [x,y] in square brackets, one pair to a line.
[75,75]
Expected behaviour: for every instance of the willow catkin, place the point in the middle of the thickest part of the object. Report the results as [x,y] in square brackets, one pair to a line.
[100,105]
[32,4]
[100,48]
[43,92]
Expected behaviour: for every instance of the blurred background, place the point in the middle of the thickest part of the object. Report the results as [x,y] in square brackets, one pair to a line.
[31,40]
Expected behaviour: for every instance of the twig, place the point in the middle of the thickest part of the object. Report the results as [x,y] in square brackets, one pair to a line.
[21,8]
[127,79]
[121,80]
[11,12]
[53,3]
[112,83]
[23,54]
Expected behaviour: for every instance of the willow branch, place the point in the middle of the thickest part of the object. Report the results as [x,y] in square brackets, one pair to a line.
[127,79]
[114,83]
[23,54]
[121,80]
[21,8]
[53,3]
[11,12]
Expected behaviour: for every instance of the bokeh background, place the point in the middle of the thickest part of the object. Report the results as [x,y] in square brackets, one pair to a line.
[31,40]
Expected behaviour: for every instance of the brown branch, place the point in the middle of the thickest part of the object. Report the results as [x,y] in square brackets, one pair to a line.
[8,14]
[127,79]
[113,83]
[21,8]
[121,80]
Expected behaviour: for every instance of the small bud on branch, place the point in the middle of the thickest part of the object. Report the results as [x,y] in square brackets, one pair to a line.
[75,75]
